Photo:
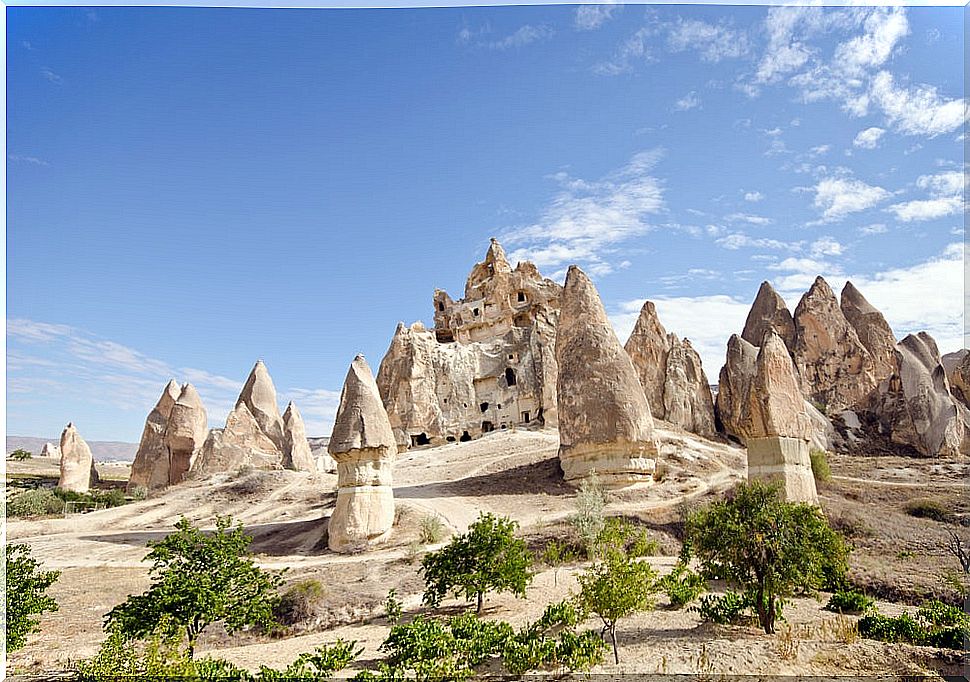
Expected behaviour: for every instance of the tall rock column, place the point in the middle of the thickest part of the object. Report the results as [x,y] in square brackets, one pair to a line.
[605,423]
[769,311]
[150,468]
[780,428]
[186,432]
[871,327]
[296,449]
[77,463]
[259,395]
[362,443]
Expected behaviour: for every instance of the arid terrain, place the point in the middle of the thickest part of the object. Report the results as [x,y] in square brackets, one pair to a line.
[896,556]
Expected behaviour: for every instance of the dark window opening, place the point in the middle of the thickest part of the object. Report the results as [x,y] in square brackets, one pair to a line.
[465,437]
[450,439]
[420,439]
[444,335]
[476,312]
[487,427]
[483,406]
[511,357]
[504,426]
[510,376]
[441,306]
[499,406]
[521,297]
[525,417]
[444,401]
[522,320]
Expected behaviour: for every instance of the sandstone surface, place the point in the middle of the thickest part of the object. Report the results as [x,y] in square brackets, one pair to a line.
[871,327]
[768,311]
[296,449]
[186,432]
[150,469]
[77,463]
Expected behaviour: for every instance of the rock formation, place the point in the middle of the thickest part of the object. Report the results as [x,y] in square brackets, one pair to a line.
[77,463]
[734,386]
[363,445]
[768,311]
[957,366]
[780,428]
[259,396]
[489,363]
[604,417]
[51,450]
[914,405]
[833,365]
[185,433]
[296,449]
[150,468]
[671,374]
[871,327]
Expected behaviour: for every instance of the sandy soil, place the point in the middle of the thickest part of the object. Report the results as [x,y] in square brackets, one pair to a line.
[513,473]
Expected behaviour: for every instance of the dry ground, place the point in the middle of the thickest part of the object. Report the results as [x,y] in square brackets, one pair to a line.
[515,474]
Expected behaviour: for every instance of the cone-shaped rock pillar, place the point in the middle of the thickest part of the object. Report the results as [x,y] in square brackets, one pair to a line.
[186,432]
[296,449]
[150,468]
[77,463]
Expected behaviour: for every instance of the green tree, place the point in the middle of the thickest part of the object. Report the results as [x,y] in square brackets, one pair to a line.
[768,548]
[197,579]
[487,558]
[26,594]
[20,454]
[616,587]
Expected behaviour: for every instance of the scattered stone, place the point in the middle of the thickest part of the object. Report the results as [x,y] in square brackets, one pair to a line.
[671,374]
[186,432]
[77,463]
[150,468]
[488,364]
[296,449]
[873,330]
[605,423]
[768,311]
[835,369]
[363,445]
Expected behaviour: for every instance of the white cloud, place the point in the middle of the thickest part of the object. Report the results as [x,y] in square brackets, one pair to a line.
[688,101]
[838,197]
[868,138]
[739,240]
[32,160]
[826,246]
[946,198]
[525,35]
[918,110]
[883,29]
[587,220]
[748,218]
[713,42]
[591,17]
[875,228]
[50,76]
[753,196]
[632,49]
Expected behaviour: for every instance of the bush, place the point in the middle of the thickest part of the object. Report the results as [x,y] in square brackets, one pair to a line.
[935,624]
[393,607]
[300,601]
[588,521]
[37,502]
[20,454]
[557,553]
[730,608]
[849,601]
[820,465]
[682,586]
[26,594]
[432,529]
[487,558]
[618,534]
[114,497]
[928,509]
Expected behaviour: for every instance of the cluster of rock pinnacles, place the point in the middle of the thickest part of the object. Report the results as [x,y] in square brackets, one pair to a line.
[520,349]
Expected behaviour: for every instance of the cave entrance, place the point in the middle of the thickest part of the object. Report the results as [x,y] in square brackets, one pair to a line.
[487,427]
[465,437]
[510,376]
[483,407]
[419,439]
[525,418]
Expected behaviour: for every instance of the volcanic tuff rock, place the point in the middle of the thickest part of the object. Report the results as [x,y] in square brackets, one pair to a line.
[51,450]
[671,374]
[489,362]
[768,311]
[873,330]
[77,463]
[185,433]
[240,444]
[957,366]
[296,448]
[150,467]
[363,445]
[834,366]
[604,417]
[734,385]
[914,404]
[259,395]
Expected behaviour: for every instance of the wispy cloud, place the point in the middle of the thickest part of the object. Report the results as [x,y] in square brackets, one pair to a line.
[31,160]
[632,50]
[524,35]
[713,42]
[868,138]
[587,220]
[50,76]
[838,197]
[945,198]
[917,110]
[753,196]
[591,17]
[688,101]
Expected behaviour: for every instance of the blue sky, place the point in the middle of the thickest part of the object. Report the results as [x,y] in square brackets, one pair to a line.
[191,189]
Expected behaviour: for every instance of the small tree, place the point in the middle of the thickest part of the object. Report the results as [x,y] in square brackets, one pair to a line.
[485,559]
[198,579]
[20,454]
[767,547]
[614,588]
[589,519]
[26,594]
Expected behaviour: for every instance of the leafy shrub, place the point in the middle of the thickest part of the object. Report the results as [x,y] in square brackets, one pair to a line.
[928,509]
[682,586]
[939,614]
[432,529]
[392,607]
[20,454]
[299,602]
[902,628]
[114,497]
[26,588]
[557,553]
[588,521]
[820,465]
[320,664]
[139,493]
[618,534]
[730,608]
[935,624]
[849,601]
[37,502]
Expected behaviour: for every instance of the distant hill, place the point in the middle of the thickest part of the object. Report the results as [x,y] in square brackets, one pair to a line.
[103,450]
